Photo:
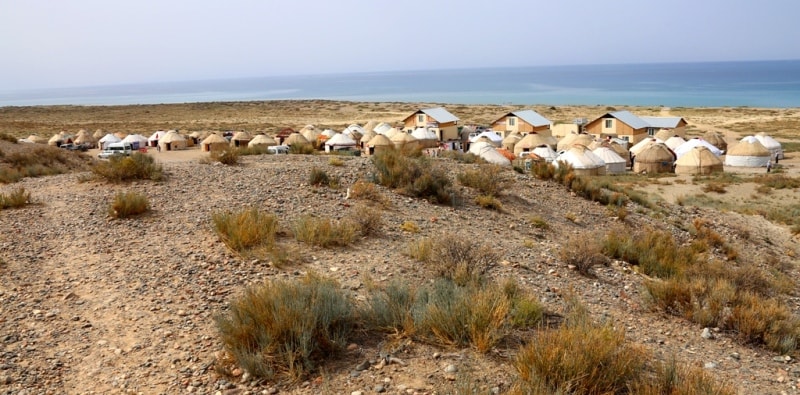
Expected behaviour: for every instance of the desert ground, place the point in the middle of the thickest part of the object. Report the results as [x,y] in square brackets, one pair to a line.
[95,305]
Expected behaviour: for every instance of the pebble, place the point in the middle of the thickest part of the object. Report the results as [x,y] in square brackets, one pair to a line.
[711,365]
[451,369]
[707,334]
[357,393]
[379,388]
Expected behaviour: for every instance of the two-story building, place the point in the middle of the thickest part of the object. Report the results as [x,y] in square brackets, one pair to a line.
[437,120]
[627,126]
[522,121]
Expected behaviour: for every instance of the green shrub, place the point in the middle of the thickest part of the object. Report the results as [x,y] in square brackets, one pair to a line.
[286,328]
[413,176]
[388,309]
[15,199]
[324,232]
[318,177]
[128,204]
[246,229]
[138,166]
[228,156]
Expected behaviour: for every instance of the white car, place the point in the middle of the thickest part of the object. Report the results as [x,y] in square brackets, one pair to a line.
[113,149]
[278,149]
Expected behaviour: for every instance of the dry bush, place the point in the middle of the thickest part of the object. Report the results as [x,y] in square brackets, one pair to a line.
[325,232]
[388,309]
[15,199]
[766,321]
[369,220]
[7,137]
[714,187]
[335,161]
[128,204]
[489,202]
[410,227]
[584,253]
[254,150]
[246,229]
[538,222]
[459,259]
[319,177]
[671,378]
[413,176]
[777,181]
[284,329]
[365,190]
[302,149]
[655,252]
[543,170]
[228,156]
[420,249]
[138,166]
[489,180]
[462,157]
[39,161]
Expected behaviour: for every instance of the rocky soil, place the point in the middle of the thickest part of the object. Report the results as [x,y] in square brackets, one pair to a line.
[92,305]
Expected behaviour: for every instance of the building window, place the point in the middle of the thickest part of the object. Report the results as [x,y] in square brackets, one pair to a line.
[421,118]
[626,138]
[651,131]
[512,121]
[609,123]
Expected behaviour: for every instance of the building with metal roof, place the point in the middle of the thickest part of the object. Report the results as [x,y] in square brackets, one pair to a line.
[632,128]
[437,120]
[522,121]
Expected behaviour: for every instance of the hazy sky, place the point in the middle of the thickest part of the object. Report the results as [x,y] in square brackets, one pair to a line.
[51,43]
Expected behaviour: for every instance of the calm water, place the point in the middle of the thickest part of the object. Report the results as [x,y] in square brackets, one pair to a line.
[756,84]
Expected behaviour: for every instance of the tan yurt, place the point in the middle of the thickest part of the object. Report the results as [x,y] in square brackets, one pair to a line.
[195,137]
[296,139]
[172,141]
[82,132]
[311,134]
[698,160]
[262,140]
[369,135]
[283,134]
[642,145]
[56,140]
[529,142]
[121,135]
[511,140]
[392,132]
[674,142]
[716,139]
[36,139]
[748,152]
[405,141]
[572,139]
[370,127]
[98,134]
[664,135]
[240,139]
[214,142]
[377,144]
[656,158]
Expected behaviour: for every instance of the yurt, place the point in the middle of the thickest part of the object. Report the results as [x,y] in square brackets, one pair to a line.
[488,152]
[36,139]
[716,139]
[340,141]
[656,158]
[56,140]
[674,142]
[137,140]
[82,132]
[214,142]
[382,128]
[771,144]
[354,128]
[695,142]
[107,139]
[155,137]
[572,138]
[495,138]
[369,135]
[98,134]
[307,128]
[391,132]
[370,127]
[748,152]
[296,139]
[615,164]
[511,140]
[240,139]
[262,140]
[699,160]
[544,152]
[582,160]
[312,135]
[620,150]
[325,135]
[283,134]
[506,153]
[642,145]
[426,137]
[404,141]
[529,142]
[121,135]
[172,141]
[665,134]
[377,144]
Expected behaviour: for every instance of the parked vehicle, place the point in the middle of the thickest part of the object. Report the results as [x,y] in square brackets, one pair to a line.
[278,149]
[75,147]
[113,149]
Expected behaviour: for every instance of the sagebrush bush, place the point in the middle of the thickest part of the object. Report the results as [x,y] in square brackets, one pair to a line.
[538,222]
[455,258]
[369,220]
[8,137]
[319,177]
[128,204]
[388,309]
[283,329]
[365,190]
[138,166]
[245,229]
[584,253]
[489,180]
[335,161]
[228,156]
[489,202]
[301,149]
[37,162]
[413,176]
[14,199]
[325,232]
[420,249]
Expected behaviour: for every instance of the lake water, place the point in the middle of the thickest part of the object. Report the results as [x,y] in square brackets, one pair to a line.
[754,84]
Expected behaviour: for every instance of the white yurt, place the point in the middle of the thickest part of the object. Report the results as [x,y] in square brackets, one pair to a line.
[748,152]
[339,142]
[699,160]
[262,140]
[695,142]
[771,144]
[545,153]
[108,139]
[615,164]
[488,152]
[642,145]
[382,128]
[427,138]
[674,142]
[137,140]
[529,142]
[582,160]
[495,138]
[153,139]
[391,132]
[354,128]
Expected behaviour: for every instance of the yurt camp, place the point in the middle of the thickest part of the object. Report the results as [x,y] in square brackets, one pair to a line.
[137,141]
[98,134]
[426,137]
[369,135]
[615,164]
[544,152]
[377,144]
[155,137]
[699,160]
[261,140]
[240,139]
[674,142]
[491,136]
[214,142]
[312,135]
[339,142]
[571,138]
[656,158]
[748,152]
[695,142]
[771,144]
[37,139]
[511,140]
[172,141]
[582,160]
[56,140]
[642,145]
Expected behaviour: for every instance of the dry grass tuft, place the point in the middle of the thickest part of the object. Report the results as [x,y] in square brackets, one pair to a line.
[489,180]
[584,253]
[15,199]
[325,232]
[138,166]
[128,204]
[229,156]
